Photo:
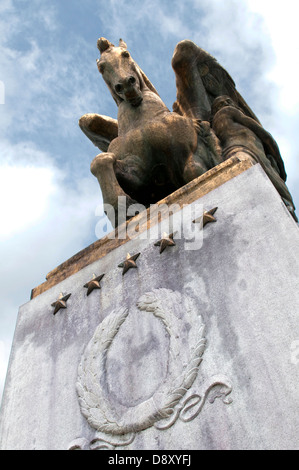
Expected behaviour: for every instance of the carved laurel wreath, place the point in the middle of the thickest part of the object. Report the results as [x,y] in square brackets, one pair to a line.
[94,401]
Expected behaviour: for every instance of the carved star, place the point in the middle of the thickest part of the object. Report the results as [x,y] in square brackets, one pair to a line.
[94,283]
[129,263]
[207,217]
[166,240]
[60,302]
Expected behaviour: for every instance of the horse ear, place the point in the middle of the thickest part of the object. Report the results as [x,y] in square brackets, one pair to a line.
[103,44]
[122,44]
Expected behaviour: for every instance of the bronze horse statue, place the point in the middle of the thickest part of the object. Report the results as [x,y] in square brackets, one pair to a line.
[149,151]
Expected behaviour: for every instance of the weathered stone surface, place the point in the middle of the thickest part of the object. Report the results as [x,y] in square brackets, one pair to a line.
[141,333]
[186,195]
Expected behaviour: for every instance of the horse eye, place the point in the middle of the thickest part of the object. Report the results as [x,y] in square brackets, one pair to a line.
[125,54]
[101,67]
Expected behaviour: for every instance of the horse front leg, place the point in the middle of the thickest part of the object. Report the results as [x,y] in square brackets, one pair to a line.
[102,167]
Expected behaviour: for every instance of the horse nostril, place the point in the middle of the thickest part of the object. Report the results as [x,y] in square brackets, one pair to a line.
[118,88]
[132,80]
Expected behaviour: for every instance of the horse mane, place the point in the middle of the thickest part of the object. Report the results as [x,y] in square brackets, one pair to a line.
[147,82]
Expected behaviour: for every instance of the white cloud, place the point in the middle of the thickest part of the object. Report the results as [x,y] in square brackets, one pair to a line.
[26,184]
[282,26]
[23,189]
[47,87]
[42,207]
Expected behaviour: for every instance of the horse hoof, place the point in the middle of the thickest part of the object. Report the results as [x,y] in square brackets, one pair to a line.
[100,161]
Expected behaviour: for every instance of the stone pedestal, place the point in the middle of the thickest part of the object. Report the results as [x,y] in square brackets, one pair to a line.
[193,349]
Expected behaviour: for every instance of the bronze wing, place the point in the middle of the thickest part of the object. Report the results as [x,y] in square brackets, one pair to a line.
[101,130]
[200,79]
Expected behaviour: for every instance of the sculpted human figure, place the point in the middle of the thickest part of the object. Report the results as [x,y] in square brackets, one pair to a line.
[238,132]
[149,151]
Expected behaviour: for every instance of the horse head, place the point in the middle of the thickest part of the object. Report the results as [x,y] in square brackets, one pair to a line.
[123,76]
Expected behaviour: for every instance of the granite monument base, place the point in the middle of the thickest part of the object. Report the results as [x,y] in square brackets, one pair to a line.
[194,347]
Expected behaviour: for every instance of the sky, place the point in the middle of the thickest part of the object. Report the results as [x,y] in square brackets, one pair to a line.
[49,201]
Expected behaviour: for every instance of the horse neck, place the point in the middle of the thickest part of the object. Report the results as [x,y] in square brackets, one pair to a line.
[130,117]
